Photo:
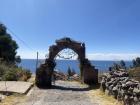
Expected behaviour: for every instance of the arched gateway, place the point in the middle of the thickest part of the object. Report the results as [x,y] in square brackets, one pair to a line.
[88,72]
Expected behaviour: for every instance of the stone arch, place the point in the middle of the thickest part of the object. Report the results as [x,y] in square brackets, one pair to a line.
[64,43]
[88,72]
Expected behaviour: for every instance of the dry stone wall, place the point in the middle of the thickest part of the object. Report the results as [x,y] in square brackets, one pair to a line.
[121,86]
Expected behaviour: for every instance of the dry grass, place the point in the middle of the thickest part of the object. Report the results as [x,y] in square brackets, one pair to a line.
[135,73]
[13,99]
[16,98]
[98,96]
[32,79]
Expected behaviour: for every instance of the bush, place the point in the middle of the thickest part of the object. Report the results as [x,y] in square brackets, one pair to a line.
[135,73]
[136,62]
[28,74]
[13,73]
[10,75]
[3,69]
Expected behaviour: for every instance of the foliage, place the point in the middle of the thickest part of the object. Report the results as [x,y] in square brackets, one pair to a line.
[122,64]
[136,62]
[118,66]
[8,46]
[73,72]
[10,75]
[69,71]
[13,73]
[115,66]
[135,73]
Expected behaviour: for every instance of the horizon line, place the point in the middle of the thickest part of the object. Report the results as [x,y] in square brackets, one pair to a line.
[92,56]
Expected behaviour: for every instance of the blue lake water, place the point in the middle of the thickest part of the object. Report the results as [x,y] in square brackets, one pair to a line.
[62,65]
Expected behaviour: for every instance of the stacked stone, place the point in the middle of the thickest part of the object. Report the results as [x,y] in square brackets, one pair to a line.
[118,84]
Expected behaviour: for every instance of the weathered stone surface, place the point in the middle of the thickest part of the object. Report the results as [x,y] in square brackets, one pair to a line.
[123,88]
[88,72]
[64,93]
[15,86]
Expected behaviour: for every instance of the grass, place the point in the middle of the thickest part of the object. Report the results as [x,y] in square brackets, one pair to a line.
[98,96]
[32,78]
[11,100]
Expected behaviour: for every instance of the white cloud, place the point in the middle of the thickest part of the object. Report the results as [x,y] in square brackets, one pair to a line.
[93,56]
[112,56]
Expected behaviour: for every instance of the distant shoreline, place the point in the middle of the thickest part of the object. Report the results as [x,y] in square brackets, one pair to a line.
[77,60]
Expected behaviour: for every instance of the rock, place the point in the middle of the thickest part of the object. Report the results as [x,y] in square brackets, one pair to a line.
[122,87]
[2,97]
[136,90]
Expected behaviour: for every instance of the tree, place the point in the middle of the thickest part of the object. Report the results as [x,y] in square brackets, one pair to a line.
[116,66]
[8,46]
[122,64]
[136,62]
[73,72]
[69,71]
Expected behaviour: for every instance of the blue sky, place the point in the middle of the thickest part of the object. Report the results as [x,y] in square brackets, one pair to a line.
[109,28]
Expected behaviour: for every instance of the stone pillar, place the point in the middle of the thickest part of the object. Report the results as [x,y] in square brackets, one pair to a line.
[44,74]
[90,74]
[81,71]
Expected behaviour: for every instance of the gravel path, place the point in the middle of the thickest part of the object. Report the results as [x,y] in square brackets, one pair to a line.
[64,93]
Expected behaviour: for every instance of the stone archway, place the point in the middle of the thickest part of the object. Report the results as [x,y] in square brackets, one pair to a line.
[88,73]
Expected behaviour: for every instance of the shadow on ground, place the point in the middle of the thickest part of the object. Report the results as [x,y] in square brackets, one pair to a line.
[90,87]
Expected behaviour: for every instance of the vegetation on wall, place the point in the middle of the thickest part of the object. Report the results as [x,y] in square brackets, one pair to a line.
[133,71]
[118,66]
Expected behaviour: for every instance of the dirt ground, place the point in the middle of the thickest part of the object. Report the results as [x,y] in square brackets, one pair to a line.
[101,98]
[63,93]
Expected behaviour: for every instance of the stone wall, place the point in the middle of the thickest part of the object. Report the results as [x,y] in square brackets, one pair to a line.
[90,74]
[122,87]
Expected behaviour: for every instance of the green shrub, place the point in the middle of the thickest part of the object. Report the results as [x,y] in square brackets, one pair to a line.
[10,75]
[3,69]
[13,73]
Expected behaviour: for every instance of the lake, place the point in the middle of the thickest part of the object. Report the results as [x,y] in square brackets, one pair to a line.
[62,65]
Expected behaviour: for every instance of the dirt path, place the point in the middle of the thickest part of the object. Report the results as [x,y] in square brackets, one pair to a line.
[64,93]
